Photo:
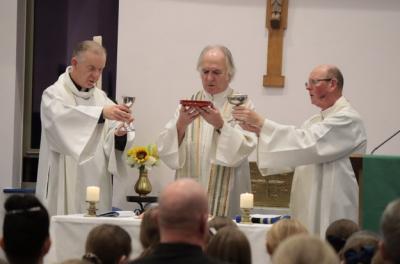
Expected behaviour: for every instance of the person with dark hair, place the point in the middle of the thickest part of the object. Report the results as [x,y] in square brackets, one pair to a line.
[149,231]
[199,142]
[26,238]
[182,218]
[339,231]
[108,244]
[324,186]
[83,137]
[390,228]
[230,245]
[360,248]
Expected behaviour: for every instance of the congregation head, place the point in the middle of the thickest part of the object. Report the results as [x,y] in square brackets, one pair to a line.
[182,202]
[230,245]
[305,249]
[339,231]
[149,231]
[219,221]
[390,229]
[183,213]
[280,231]
[360,247]
[108,243]
[26,236]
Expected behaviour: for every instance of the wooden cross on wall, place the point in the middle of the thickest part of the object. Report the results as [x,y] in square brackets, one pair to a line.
[276,23]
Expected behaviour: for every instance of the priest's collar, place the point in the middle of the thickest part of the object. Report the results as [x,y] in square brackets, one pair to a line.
[76,89]
[80,89]
[219,97]
[340,103]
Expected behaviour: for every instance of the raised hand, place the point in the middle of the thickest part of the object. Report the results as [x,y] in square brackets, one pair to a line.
[248,119]
[212,116]
[120,130]
[117,112]
[248,116]
[186,116]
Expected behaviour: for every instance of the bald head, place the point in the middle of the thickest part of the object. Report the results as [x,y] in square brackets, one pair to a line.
[181,204]
[325,84]
[331,72]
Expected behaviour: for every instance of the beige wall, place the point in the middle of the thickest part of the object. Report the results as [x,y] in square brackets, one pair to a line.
[159,41]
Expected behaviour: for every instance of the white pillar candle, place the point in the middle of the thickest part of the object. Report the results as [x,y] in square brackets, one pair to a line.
[246,200]
[92,194]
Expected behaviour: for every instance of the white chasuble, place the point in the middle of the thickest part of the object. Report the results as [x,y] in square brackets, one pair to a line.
[324,187]
[218,161]
[75,150]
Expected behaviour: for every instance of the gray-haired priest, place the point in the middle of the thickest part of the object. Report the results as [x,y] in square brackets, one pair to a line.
[200,143]
[324,187]
[81,141]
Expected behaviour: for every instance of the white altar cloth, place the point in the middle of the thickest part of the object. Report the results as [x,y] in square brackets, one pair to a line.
[68,234]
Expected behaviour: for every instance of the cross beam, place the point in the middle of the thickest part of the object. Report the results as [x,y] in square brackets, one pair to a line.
[276,23]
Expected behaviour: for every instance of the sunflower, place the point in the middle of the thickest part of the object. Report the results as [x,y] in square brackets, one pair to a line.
[139,155]
[143,157]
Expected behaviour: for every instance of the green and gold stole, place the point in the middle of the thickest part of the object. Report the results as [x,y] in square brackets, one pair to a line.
[220,177]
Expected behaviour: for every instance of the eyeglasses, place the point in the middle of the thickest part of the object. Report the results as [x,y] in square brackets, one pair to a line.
[315,81]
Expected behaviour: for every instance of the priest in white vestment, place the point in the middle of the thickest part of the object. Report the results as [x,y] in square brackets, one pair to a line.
[83,138]
[324,187]
[200,143]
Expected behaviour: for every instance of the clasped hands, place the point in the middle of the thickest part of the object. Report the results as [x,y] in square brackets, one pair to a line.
[119,113]
[189,113]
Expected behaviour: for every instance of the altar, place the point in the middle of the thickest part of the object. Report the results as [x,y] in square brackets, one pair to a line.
[68,234]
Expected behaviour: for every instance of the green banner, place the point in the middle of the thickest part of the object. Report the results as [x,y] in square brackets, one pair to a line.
[381,185]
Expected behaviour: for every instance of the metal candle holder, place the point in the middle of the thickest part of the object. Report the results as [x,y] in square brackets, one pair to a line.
[246,216]
[91,209]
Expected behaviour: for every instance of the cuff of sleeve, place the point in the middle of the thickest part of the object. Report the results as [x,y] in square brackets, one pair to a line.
[101,118]
[120,142]
[219,130]
[268,127]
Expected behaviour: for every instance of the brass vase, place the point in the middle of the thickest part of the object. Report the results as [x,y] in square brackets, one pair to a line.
[143,185]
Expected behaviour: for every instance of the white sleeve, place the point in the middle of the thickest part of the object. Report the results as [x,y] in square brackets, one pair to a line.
[234,144]
[61,120]
[331,139]
[169,150]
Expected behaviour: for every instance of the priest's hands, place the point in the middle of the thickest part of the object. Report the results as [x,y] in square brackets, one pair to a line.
[248,119]
[186,116]
[212,116]
[118,112]
[120,130]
